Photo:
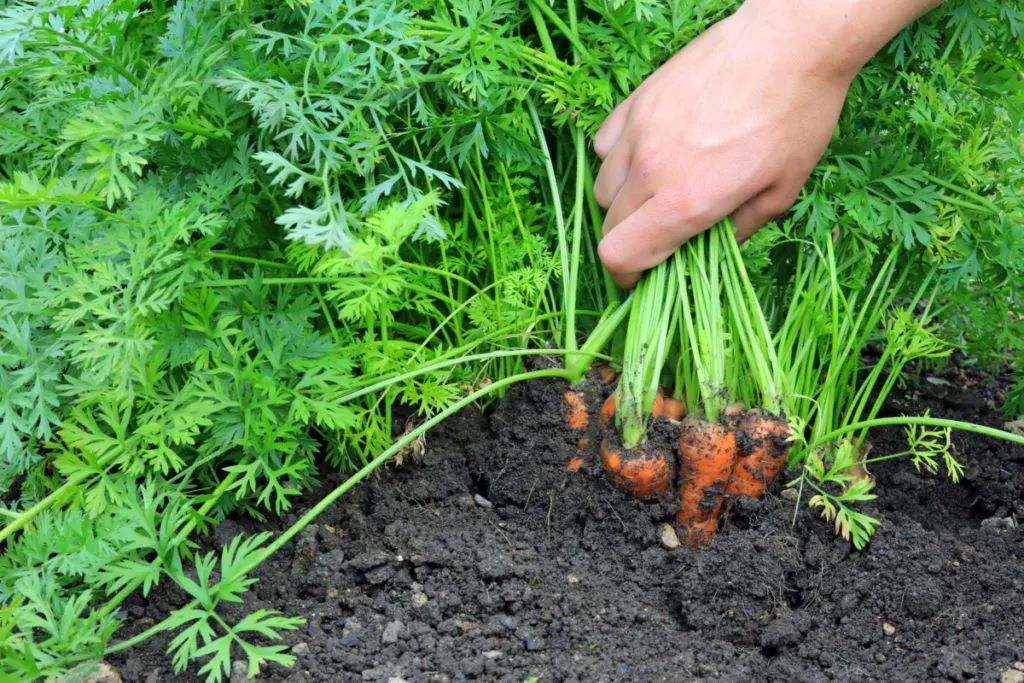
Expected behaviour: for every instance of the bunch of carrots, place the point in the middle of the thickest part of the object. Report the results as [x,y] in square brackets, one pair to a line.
[712,463]
[702,297]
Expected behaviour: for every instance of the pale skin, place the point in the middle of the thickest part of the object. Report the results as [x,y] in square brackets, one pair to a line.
[733,124]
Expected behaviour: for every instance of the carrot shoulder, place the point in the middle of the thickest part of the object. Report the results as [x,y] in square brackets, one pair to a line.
[607,414]
[707,457]
[762,443]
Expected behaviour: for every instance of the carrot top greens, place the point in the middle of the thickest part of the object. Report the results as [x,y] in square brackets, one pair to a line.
[234,236]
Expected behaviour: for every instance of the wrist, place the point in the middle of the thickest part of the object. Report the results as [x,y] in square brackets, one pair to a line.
[834,38]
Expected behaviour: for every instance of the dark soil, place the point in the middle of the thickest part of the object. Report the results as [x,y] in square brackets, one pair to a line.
[486,559]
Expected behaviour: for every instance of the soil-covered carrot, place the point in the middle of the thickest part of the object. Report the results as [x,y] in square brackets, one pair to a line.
[575,463]
[646,470]
[762,442]
[575,409]
[707,457]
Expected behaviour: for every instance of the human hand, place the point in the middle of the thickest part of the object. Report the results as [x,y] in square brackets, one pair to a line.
[732,125]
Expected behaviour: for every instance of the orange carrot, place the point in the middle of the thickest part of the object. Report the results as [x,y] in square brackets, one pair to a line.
[707,457]
[607,375]
[575,409]
[575,464]
[762,442]
[607,415]
[673,409]
[643,471]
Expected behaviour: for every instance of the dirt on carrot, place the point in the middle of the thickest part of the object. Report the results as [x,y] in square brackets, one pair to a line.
[707,458]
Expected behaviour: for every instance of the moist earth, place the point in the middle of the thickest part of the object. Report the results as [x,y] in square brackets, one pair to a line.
[487,559]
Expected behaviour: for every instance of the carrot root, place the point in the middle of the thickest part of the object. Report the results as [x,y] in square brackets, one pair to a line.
[707,459]
[762,443]
[644,471]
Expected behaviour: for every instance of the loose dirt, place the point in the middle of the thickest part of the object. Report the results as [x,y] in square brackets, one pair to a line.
[487,559]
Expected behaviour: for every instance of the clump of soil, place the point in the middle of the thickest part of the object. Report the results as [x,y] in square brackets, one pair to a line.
[489,560]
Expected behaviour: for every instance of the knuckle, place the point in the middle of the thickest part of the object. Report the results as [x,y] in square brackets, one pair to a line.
[647,163]
[684,206]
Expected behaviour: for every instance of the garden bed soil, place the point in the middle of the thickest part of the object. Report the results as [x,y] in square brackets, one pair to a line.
[486,559]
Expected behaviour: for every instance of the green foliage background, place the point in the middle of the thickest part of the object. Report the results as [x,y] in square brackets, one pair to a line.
[219,219]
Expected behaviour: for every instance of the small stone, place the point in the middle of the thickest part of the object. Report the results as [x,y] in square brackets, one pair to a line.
[572,579]
[493,654]
[300,649]
[669,539]
[937,381]
[92,672]
[418,599]
[998,523]
[332,592]
[888,629]
[1015,426]
[397,679]
[240,672]
[790,494]
[482,502]
[1014,675]
[391,632]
